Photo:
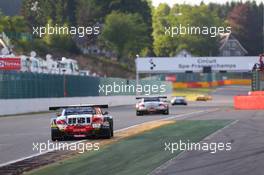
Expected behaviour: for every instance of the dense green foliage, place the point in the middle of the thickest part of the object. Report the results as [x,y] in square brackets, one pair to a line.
[131,27]
[125,33]
[245,19]
[185,15]
[248,25]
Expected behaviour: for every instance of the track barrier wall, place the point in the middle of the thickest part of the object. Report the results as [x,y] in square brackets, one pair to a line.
[24,92]
[255,98]
[20,85]
[256,93]
[255,102]
[21,106]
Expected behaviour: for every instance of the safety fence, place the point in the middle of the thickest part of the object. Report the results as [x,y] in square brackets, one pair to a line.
[15,85]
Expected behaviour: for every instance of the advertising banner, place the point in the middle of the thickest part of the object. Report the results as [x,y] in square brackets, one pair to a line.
[10,63]
[195,64]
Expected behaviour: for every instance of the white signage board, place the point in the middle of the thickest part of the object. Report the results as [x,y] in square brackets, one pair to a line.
[195,64]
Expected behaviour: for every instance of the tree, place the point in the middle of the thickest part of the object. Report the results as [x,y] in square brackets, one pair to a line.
[13,25]
[141,7]
[247,27]
[186,16]
[199,44]
[126,34]
[163,44]
[37,13]
[88,13]
[71,11]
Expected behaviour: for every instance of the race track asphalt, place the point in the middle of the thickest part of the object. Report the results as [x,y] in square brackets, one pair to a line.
[246,135]
[17,134]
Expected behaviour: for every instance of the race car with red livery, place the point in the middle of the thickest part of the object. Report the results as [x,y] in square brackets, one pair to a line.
[150,105]
[81,121]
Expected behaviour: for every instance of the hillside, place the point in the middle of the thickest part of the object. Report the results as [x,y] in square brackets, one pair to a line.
[105,67]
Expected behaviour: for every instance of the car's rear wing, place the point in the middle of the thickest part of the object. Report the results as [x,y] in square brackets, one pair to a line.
[151,97]
[53,108]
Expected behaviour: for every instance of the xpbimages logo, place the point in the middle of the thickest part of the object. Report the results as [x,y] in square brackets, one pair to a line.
[65,30]
[196,30]
[174,147]
[115,89]
[80,147]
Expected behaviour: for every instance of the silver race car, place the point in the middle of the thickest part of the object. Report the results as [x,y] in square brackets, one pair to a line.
[150,105]
[179,100]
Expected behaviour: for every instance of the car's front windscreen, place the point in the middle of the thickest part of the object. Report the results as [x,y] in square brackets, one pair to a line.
[154,99]
[76,111]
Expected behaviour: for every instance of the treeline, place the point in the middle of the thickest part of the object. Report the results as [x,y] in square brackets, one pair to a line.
[131,27]
[126,24]
[245,19]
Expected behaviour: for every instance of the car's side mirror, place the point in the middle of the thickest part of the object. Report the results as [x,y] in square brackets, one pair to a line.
[105,113]
[58,114]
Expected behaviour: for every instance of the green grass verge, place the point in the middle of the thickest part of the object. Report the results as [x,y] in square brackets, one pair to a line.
[136,155]
[192,93]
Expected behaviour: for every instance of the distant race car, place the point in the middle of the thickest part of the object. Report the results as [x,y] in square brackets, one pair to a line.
[203,98]
[179,100]
[149,105]
[81,121]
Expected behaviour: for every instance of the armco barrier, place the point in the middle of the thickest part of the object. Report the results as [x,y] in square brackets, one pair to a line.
[249,102]
[20,106]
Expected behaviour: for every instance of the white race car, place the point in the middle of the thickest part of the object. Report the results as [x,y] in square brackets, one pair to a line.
[81,121]
[149,105]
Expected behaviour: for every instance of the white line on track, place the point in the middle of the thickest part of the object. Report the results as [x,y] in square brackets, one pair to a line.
[165,165]
[186,115]
[220,130]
